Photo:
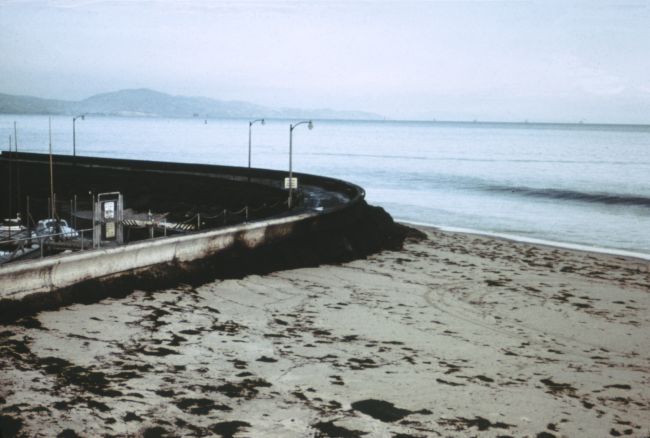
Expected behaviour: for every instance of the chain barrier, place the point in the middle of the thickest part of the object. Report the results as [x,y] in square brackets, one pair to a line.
[216,216]
[70,207]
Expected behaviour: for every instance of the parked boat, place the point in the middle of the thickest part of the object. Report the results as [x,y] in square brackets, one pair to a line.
[11,229]
[55,227]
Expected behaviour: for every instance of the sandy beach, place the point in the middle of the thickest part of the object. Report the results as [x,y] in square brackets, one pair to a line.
[455,335]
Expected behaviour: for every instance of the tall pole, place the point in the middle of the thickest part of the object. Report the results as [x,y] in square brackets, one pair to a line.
[250,142]
[92,210]
[290,167]
[51,171]
[28,216]
[18,196]
[250,135]
[74,135]
[11,193]
[310,125]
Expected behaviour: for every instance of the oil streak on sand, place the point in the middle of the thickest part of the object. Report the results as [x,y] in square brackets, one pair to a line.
[455,335]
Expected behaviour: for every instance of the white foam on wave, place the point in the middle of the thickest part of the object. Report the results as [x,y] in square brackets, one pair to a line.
[516,238]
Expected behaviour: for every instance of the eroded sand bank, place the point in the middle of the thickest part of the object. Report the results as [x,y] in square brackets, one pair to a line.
[456,335]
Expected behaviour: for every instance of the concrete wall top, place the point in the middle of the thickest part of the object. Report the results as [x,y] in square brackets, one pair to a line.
[351,192]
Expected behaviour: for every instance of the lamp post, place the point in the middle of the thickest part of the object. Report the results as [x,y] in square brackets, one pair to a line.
[74,135]
[310,125]
[250,130]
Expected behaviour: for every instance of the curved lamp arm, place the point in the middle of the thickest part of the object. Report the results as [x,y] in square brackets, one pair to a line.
[309,122]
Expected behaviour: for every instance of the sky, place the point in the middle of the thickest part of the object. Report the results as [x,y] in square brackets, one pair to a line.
[564,61]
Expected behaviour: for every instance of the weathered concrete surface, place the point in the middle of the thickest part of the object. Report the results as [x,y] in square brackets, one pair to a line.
[19,280]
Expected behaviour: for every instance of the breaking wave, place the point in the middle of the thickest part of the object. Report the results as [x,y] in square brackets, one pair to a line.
[574,195]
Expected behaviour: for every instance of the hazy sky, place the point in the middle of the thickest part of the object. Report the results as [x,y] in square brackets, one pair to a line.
[485,60]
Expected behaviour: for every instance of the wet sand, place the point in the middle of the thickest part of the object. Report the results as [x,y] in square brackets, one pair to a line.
[456,335]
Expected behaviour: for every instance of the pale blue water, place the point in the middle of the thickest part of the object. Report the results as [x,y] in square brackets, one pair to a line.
[574,184]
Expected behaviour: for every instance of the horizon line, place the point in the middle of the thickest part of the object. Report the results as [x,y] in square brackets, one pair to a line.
[378,120]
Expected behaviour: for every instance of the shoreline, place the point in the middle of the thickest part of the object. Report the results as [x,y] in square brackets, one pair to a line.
[454,335]
[644,257]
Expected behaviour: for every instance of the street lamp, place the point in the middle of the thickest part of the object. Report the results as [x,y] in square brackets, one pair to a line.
[74,135]
[310,125]
[250,126]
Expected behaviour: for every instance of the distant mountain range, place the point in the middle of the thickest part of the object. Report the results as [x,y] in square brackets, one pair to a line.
[150,103]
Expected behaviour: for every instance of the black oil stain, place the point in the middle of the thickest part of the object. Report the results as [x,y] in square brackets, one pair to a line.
[480,423]
[383,410]
[200,406]
[247,388]
[228,429]
[329,429]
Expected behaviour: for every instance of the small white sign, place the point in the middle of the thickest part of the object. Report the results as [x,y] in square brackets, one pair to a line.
[294,183]
[110,230]
[109,210]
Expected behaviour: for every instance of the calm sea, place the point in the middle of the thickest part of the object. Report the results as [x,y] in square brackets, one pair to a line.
[569,184]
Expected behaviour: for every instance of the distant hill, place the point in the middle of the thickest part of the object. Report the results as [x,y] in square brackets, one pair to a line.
[150,103]
[10,104]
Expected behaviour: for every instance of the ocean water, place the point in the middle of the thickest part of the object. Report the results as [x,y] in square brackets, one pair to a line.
[569,184]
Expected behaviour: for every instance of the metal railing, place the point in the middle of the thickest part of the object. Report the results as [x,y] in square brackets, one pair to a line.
[22,242]
[25,245]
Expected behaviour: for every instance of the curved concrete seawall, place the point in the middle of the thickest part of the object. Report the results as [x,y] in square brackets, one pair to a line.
[333,224]
[20,280]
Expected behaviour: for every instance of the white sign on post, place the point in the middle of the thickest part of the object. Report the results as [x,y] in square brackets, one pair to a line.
[292,185]
[110,230]
[109,210]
